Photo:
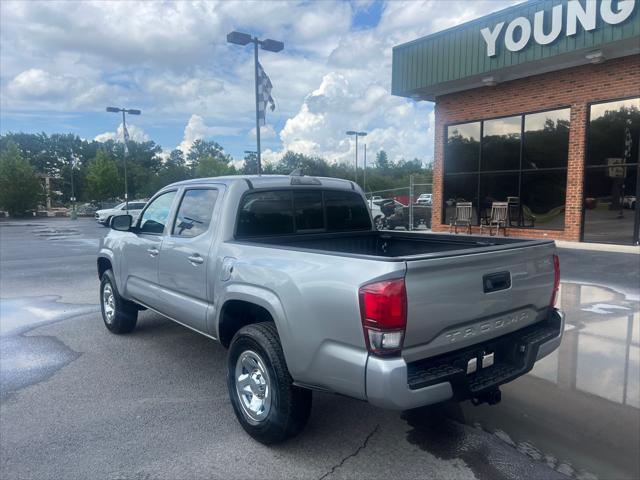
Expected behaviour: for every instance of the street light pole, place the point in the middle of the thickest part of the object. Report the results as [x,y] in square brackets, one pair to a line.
[239,38]
[356,134]
[130,111]
[124,142]
[74,215]
[364,182]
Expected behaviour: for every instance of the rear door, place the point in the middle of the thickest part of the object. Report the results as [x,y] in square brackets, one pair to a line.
[184,260]
[461,300]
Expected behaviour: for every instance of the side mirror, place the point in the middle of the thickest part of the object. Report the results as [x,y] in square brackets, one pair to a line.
[121,222]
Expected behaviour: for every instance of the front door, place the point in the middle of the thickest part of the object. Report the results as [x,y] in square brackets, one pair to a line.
[185,256]
[141,253]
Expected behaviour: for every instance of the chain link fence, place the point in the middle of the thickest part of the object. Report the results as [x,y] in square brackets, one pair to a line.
[403,207]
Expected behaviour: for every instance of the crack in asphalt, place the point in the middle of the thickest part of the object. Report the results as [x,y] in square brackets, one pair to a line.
[351,455]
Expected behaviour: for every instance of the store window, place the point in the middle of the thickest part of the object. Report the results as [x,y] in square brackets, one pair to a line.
[611,175]
[521,160]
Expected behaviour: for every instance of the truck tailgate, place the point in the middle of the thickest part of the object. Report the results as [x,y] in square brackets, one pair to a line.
[460,300]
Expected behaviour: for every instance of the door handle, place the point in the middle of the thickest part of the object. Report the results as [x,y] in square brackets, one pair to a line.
[153,251]
[196,259]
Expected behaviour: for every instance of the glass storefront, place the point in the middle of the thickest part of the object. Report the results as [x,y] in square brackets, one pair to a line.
[611,173]
[520,159]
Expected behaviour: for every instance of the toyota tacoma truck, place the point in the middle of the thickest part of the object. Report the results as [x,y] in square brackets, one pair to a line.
[289,274]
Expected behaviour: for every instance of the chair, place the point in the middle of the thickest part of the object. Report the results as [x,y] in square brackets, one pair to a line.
[462,218]
[498,218]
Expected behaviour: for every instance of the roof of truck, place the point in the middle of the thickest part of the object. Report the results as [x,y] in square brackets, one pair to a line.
[262,181]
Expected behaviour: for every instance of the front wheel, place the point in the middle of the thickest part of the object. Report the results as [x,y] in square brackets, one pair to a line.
[267,404]
[118,314]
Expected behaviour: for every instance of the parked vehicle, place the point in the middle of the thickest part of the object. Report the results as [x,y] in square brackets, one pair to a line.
[425,199]
[401,218]
[629,201]
[104,216]
[288,273]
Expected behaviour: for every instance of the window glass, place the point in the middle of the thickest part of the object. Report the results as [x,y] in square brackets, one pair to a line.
[460,188]
[136,206]
[501,144]
[610,196]
[194,213]
[346,211]
[614,132]
[500,187]
[543,199]
[265,213]
[155,217]
[308,210]
[546,139]
[463,148]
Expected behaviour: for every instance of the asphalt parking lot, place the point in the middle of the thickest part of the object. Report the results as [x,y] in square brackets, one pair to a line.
[78,402]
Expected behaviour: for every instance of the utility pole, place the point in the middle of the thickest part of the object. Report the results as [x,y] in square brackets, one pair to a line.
[74,215]
[364,183]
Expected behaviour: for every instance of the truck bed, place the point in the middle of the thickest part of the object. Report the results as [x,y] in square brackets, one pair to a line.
[393,245]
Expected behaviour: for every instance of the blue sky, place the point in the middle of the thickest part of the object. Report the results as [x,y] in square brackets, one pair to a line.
[62,63]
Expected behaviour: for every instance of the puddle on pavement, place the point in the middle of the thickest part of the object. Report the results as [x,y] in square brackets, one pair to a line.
[577,411]
[29,359]
[440,430]
[56,233]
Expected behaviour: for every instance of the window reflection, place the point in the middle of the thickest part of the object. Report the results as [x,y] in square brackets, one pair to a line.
[463,148]
[501,144]
[460,188]
[543,199]
[611,176]
[546,139]
[535,187]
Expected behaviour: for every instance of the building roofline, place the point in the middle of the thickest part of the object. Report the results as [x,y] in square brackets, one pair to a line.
[482,19]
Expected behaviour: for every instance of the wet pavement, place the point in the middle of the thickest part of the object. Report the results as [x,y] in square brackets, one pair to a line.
[78,402]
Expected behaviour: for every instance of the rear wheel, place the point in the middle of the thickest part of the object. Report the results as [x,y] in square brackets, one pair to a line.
[118,314]
[267,404]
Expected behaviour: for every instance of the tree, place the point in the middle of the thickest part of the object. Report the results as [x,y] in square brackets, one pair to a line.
[250,166]
[211,166]
[20,188]
[103,180]
[382,161]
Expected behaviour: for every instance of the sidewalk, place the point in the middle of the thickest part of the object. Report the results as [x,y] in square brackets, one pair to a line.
[599,247]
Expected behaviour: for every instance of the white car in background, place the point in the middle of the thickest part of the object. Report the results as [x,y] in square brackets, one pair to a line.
[425,199]
[135,207]
[629,201]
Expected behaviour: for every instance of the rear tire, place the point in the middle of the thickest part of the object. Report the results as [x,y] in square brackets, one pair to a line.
[119,315]
[267,404]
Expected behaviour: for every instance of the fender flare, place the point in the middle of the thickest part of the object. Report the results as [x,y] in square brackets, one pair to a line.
[262,297]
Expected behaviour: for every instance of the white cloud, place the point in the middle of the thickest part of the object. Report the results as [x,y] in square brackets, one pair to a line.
[135,133]
[171,60]
[196,129]
[266,132]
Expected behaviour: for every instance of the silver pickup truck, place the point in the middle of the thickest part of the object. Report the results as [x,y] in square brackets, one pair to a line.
[288,273]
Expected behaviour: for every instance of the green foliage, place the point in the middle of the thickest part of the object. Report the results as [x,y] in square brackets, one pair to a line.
[20,188]
[103,179]
[99,171]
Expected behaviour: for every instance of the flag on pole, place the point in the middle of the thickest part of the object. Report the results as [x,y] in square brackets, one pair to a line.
[264,95]
[125,134]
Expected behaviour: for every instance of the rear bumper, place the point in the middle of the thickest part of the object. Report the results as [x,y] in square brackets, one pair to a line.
[394,384]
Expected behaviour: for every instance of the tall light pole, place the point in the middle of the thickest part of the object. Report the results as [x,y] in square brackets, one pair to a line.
[364,182]
[74,215]
[239,38]
[356,134]
[125,136]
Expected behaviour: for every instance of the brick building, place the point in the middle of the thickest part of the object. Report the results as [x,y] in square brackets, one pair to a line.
[537,105]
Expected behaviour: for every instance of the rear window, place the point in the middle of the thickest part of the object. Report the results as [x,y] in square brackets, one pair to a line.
[265,213]
[282,212]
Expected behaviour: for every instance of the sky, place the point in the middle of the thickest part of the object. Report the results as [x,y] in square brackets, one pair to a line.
[62,63]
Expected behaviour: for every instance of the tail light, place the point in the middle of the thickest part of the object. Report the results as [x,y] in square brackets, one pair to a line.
[383,307]
[556,280]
